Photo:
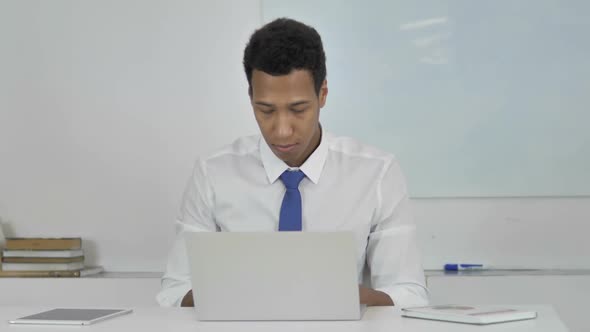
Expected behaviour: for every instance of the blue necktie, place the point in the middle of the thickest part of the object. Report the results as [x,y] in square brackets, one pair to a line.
[290,217]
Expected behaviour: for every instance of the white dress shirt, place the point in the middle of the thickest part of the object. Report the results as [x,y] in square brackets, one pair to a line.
[348,186]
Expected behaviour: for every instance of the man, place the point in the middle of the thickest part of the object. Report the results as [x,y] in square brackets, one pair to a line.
[298,177]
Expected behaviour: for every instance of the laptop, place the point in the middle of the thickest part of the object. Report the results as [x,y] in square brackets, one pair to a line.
[274,276]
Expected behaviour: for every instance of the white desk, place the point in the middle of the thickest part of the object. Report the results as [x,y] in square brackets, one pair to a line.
[386,319]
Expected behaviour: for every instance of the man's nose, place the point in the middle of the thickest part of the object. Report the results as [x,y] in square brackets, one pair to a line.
[283,125]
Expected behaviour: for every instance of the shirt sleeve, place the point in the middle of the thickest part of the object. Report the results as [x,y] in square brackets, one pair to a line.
[195,215]
[393,257]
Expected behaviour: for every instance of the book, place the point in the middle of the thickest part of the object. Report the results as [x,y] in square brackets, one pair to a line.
[42,266]
[43,253]
[87,271]
[15,243]
[479,315]
[42,259]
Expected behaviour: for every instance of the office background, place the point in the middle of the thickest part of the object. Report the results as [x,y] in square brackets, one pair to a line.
[104,106]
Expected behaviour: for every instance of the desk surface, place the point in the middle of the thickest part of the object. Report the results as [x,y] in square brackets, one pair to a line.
[375,319]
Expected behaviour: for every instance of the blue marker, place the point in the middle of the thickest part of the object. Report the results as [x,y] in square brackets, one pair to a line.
[462,267]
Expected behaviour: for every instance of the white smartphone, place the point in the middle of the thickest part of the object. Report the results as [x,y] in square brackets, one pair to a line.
[63,316]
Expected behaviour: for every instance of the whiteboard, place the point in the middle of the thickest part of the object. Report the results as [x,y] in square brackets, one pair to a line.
[475,98]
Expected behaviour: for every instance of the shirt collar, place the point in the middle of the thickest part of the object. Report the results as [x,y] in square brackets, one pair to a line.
[312,167]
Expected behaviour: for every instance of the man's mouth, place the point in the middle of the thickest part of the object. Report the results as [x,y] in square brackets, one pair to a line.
[284,147]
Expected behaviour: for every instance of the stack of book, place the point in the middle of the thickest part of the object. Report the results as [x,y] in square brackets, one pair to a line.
[44,257]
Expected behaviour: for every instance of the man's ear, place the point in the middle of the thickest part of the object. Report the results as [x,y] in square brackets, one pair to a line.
[323,93]
[250,92]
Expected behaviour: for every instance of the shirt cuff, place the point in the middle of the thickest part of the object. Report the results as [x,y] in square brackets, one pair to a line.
[407,295]
[172,293]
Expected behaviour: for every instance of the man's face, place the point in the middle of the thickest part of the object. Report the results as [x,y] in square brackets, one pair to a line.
[287,110]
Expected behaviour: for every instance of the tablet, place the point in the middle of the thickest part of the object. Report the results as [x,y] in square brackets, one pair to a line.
[480,315]
[63,316]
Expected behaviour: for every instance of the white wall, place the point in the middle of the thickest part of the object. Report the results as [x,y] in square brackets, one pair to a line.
[518,232]
[105,105]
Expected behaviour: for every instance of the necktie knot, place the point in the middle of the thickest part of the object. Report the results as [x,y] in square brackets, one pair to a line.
[291,179]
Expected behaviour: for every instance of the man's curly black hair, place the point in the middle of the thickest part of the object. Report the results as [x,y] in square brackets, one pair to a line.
[282,46]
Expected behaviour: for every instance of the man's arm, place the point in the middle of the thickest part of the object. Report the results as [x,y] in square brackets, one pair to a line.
[392,252]
[195,216]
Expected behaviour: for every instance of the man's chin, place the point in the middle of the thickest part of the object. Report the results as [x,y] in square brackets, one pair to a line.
[286,159]
[289,160]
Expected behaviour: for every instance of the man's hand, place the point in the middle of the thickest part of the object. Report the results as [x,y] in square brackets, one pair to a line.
[371,297]
[187,300]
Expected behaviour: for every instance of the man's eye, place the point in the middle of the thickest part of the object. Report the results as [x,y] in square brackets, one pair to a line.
[269,111]
[298,110]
